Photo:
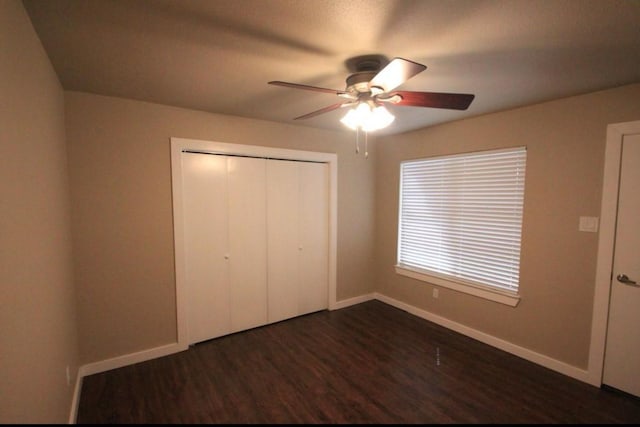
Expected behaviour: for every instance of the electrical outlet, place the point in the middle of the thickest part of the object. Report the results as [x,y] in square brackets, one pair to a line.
[588,223]
[435,292]
[68,376]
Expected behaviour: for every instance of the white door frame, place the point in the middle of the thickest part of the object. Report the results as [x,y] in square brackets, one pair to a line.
[178,145]
[604,267]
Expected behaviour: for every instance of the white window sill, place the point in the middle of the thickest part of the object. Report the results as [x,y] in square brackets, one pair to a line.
[502,297]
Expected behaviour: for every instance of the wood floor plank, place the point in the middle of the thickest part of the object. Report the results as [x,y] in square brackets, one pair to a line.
[369,363]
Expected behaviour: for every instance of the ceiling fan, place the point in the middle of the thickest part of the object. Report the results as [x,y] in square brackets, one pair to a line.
[372,84]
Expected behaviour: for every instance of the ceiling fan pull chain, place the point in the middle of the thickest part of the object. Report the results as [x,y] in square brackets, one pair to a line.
[366,142]
[357,140]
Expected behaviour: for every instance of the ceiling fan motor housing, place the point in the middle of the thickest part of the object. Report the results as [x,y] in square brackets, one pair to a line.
[358,83]
[363,68]
[366,63]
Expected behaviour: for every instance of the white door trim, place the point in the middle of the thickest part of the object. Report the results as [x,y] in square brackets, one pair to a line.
[604,266]
[178,145]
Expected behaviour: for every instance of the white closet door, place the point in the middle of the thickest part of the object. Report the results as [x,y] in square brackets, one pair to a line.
[313,237]
[282,237]
[298,238]
[256,241]
[247,242]
[205,241]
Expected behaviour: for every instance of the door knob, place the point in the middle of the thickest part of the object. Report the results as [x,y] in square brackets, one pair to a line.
[622,278]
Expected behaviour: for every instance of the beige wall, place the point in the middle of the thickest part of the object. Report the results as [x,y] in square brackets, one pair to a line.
[565,142]
[121,211]
[37,320]
[119,153]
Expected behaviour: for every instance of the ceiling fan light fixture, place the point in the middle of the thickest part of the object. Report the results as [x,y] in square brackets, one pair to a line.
[367,118]
[356,116]
[379,118]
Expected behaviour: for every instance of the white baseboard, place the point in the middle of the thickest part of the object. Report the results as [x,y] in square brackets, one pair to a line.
[130,359]
[532,356]
[75,401]
[352,301]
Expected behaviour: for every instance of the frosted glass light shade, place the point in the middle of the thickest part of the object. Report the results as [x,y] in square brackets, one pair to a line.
[356,116]
[379,118]
[366,118]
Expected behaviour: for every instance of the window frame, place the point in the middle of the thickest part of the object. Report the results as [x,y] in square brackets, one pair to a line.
[489,292]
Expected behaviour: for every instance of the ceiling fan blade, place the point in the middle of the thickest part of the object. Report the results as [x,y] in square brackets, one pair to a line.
[307,87]
[395,73]
[452,101]
[324,110]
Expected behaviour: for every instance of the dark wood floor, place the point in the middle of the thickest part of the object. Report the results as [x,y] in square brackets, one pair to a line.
[369,363]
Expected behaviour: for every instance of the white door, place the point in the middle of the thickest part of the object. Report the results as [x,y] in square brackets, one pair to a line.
[313,228]
[224,251]
[298,238]
[282,230]
[206,245]
[225,246]
[247,242]
[622,352]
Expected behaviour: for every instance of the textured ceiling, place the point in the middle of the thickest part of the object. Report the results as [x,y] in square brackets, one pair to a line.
[218,55]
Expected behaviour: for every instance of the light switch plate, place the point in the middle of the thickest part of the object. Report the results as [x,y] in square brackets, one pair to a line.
[588,223]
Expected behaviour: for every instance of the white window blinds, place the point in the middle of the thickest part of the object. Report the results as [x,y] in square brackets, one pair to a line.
[461,217]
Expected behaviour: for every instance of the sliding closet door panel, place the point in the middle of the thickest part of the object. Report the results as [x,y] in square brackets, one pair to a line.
[282,238]
[314,237]
[247,242]
[205,240]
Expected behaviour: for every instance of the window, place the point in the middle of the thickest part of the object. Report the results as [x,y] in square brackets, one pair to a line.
[460,222]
